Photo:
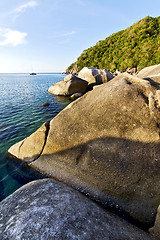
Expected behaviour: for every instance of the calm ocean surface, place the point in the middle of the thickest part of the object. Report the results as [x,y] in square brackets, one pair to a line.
[21,113]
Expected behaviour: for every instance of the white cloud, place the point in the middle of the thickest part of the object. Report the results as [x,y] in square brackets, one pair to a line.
[63,34]
[12,37]
[22,8]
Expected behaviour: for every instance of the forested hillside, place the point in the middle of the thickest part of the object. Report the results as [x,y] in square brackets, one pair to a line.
[138,45]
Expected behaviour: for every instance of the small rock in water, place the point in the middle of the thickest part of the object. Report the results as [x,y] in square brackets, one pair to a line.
[45,104]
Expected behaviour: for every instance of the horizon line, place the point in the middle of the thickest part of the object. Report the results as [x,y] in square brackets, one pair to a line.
[30,72]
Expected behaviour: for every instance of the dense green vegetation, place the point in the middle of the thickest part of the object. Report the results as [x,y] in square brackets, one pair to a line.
[138,45]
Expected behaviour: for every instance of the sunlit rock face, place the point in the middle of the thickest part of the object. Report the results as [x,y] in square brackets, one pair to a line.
[95,76]
[149,71]
[69,85]
[46,209]
[106,144]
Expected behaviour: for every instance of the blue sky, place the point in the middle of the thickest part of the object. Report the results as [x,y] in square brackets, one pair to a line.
[48,35]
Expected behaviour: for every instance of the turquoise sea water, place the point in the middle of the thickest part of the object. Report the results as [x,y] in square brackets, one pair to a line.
[21,113]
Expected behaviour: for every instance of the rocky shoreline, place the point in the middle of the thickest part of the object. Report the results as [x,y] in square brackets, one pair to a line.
[105,144]
[132,71]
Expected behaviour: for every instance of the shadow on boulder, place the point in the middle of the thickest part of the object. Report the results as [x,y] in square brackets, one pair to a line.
[119,173]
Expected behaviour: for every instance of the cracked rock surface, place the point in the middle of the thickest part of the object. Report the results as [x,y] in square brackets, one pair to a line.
[106,144]
[46,209]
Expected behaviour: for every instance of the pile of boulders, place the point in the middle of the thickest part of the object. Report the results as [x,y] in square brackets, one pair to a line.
[85,80]
[78,85]
[106,145]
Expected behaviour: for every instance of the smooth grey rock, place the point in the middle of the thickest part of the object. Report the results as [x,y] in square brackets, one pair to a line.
[46,209]
[149,71]
[69,85]
[151,74]
[95,76]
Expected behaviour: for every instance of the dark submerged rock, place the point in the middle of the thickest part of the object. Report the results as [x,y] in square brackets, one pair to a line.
[45,104]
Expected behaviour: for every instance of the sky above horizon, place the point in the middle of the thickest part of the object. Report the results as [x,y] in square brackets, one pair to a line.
[47,36]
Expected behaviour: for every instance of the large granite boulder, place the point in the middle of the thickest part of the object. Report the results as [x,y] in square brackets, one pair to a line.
[46,209]
[95,76]
[106,144]
[149,71]
[69,85]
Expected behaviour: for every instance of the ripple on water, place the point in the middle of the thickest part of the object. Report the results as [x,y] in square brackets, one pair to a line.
[20,115]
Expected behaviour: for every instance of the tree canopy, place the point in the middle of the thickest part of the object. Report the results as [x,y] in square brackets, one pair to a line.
[136,46]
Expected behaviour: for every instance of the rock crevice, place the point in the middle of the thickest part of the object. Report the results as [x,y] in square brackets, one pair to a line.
[47,125]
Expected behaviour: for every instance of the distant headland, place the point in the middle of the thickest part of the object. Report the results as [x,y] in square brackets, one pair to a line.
[135,47]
